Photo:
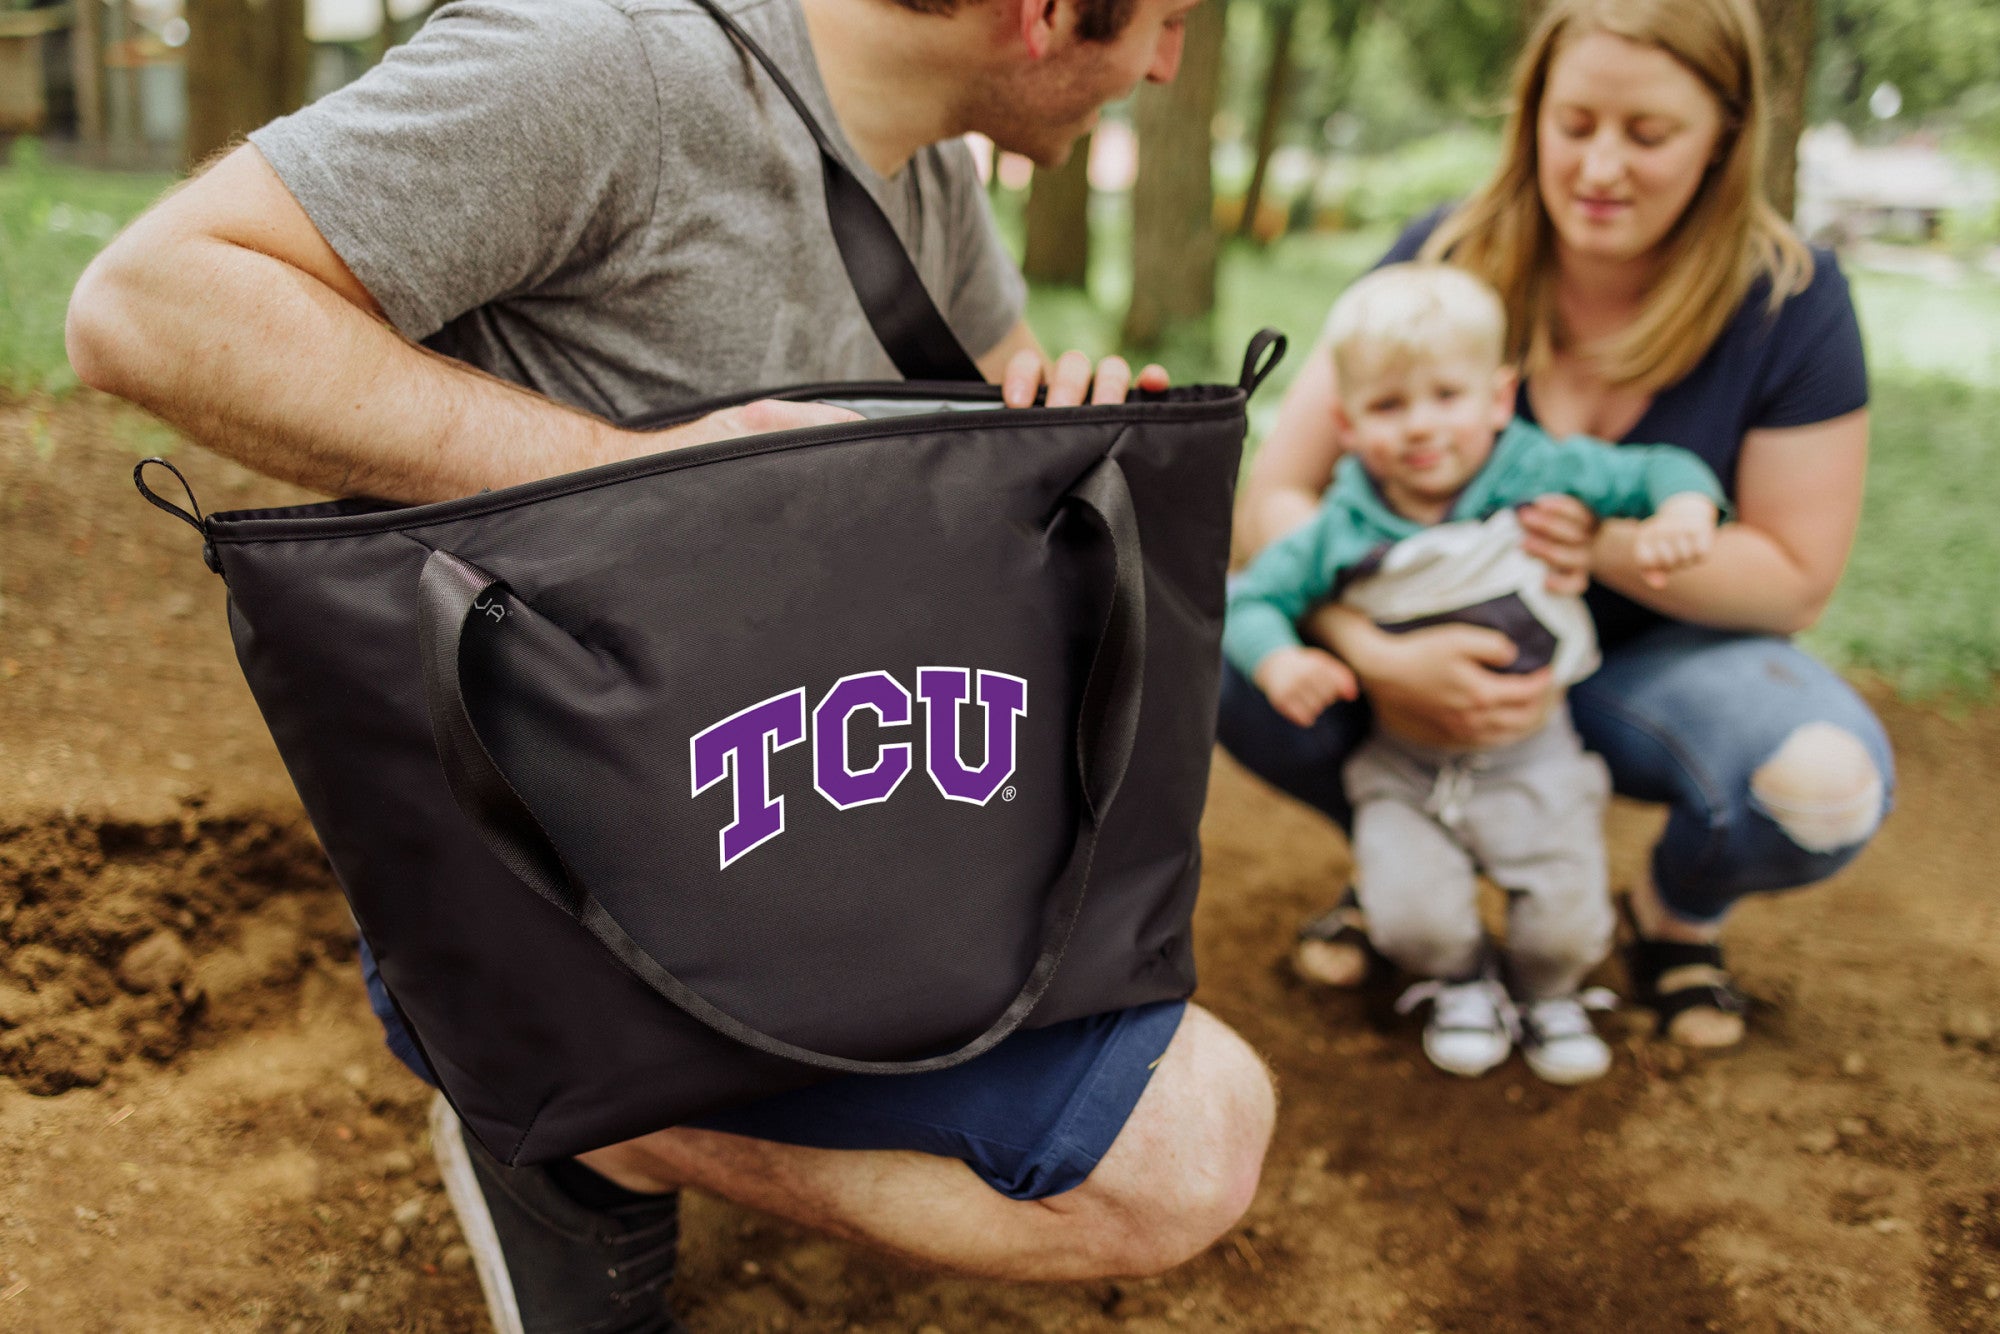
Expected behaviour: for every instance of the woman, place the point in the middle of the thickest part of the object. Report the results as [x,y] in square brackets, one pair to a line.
[1653,295]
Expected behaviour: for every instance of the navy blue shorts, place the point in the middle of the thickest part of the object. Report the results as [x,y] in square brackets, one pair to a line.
[1032,1117]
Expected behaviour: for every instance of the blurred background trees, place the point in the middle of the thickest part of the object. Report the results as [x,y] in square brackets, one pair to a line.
[248,62]
[1302,135]
[1174,244]
[1291,119]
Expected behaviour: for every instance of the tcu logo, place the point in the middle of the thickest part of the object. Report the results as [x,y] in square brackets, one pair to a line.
[742,745]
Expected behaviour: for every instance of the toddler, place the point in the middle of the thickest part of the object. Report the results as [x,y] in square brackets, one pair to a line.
[1418,529]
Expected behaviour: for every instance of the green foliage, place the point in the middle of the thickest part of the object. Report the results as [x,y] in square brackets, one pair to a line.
[1468,46]
[1942,55]
[1395,187]
[1369,76]
[52,221]
[1382,100]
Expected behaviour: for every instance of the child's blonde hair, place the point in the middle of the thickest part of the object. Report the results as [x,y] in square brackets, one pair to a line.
[1404,313]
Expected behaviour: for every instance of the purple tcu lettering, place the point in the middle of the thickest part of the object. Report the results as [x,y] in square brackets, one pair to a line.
[1005,700]
[743,743]
[846,787]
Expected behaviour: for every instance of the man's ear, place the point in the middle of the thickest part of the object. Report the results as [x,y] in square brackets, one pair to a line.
[1041,22]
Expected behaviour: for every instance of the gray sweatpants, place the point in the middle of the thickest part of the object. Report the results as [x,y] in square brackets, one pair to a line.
[1531,815]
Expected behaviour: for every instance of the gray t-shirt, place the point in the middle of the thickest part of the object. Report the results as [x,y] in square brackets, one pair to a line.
[610,203]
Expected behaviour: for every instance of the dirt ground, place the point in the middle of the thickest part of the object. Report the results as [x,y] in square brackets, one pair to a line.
[200,1130]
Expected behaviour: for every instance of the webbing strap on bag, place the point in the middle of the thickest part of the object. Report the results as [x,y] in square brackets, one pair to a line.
[450,591]
[905,319]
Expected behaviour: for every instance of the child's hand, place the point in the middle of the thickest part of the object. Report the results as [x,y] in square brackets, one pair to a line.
[1678,535]
[1302,682]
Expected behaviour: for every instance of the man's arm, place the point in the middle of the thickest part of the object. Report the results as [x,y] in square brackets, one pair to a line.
[226,313]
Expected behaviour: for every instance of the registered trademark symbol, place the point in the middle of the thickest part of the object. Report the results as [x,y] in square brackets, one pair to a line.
[1006,794]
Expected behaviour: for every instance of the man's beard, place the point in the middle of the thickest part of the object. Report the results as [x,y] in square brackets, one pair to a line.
[1018,119]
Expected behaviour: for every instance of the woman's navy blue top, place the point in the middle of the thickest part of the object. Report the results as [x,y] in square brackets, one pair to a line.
[1799,365]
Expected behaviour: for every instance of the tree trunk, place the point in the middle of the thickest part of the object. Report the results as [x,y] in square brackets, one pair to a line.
[1173,199]
[1284,21]
[385,36]
[247,63]
[1788,45]
[86,67]
[1058,215]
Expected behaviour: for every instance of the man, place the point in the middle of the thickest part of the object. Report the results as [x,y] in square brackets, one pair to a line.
[586,209]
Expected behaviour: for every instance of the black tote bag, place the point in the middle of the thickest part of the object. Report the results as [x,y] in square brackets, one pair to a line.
[689,779]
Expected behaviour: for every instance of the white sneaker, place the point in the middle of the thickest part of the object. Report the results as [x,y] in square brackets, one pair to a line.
[1558,1040]
[1472,1025]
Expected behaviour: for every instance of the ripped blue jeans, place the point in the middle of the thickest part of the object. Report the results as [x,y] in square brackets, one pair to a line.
[1682,715]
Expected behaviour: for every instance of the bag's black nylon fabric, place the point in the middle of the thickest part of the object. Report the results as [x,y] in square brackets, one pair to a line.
[452,594]
[653,599]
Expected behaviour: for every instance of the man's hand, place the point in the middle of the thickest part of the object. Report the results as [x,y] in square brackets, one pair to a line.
[1302,683]
[760,417]
[1071,379]
[1558,530]
[1678,535]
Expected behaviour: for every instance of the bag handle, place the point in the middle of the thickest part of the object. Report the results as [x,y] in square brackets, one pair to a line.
[899,308]
[450,591]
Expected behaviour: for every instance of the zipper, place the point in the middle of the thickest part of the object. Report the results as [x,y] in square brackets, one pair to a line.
[252,528]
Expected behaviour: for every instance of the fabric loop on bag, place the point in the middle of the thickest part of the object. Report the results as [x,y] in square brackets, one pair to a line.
[451,591]
[194,520]
[1257,367]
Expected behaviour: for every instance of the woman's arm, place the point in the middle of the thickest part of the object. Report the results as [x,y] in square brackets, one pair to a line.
[1295,462]
[1798,499]
[1440,686]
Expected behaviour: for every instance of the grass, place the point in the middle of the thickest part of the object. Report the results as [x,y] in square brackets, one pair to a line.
[52,221]
[1917,605]
[1918,327]
[1918,602]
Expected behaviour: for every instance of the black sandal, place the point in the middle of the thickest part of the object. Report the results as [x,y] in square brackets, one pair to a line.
[1648,960]
[1344,924]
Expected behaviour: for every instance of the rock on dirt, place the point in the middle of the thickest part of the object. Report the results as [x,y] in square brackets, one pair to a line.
[157,963]
[1967,1026]
[17,1007]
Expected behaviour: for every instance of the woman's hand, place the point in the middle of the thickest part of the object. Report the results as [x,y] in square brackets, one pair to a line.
[1440,686]
[1559,530]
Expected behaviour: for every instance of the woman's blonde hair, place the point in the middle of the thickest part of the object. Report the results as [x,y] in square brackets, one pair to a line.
[1726,238]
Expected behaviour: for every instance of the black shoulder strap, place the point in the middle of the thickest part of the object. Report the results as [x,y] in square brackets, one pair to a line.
[906,321]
